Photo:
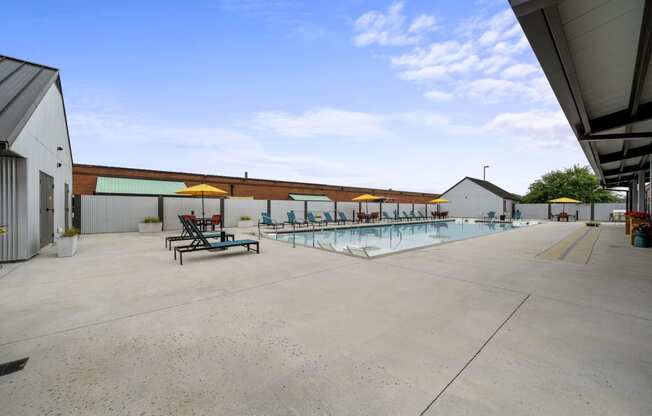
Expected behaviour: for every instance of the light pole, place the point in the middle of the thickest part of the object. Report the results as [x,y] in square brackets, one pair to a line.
[484,172]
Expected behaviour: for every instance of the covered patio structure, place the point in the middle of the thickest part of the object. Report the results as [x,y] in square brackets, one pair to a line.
[596,57]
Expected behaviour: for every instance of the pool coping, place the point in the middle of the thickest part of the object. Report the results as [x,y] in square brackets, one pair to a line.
[266,235]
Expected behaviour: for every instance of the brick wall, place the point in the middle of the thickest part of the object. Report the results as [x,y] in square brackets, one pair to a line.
[85,178]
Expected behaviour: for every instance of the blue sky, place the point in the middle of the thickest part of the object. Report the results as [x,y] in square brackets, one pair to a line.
[406,95]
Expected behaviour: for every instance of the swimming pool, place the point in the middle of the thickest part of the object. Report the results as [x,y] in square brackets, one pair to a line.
[371,241]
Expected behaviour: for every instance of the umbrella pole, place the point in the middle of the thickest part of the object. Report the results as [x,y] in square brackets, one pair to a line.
[203,213]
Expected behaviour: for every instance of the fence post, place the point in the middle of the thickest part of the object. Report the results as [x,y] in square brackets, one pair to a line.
[549,211]
[222,213]
[76,211]
[592,211]
[269,208]
[160,210]
[335,205]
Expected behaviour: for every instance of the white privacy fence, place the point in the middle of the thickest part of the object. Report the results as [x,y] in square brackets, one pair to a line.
[175,206]
[115,214]
[601,211]
[112,213]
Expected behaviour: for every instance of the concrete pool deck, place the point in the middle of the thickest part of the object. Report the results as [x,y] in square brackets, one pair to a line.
[480,326]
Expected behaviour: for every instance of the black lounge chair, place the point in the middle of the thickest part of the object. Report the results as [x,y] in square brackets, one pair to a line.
[201,243]
[186,234]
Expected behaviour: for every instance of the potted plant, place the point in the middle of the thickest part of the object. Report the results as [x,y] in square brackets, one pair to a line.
[67,242]
[245,222]
[634,219]
[150,225]
[642,235]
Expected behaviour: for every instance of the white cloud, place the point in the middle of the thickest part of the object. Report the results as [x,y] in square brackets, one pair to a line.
[423,23]
[323,122]
[519,71]
[484,59]
[342,124]
[547,129]
[435,95]
[388,28]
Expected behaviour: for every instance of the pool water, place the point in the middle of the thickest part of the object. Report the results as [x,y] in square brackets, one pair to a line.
[384,239]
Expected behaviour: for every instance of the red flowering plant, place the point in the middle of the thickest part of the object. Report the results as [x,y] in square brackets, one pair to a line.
[642,215]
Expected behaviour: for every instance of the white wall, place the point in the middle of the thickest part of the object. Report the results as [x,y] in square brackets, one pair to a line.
[37,143]
[115,213]
[236,208]
[175,206]
[540,211]
[467,199]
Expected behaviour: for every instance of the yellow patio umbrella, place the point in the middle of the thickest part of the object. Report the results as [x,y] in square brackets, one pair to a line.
[202,190]
[438,201]
[564,200]
[366,198]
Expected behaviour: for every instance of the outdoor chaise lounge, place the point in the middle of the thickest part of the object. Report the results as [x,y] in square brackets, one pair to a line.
[201,243]
[406,216]
[342,217]
[310,217]
[186,234]
[292,219]
[423,217]
[387,217]
[267,221]
[328,218]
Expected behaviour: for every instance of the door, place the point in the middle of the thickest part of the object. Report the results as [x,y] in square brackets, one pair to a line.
[46,212]
[66,205]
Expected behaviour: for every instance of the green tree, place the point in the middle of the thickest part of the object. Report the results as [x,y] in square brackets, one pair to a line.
[577,182]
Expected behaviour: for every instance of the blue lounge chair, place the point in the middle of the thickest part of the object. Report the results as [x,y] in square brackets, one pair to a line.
[491,215]
[186,234]
[423,217]
[406,216]
[292,219]
[267,221]
[310,217]
[329,218]
[342,217]
[201,243]
[387,217]
[518,215]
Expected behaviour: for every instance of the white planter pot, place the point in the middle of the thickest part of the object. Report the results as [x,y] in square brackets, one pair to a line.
[67,246]
[150,227]
[245,224]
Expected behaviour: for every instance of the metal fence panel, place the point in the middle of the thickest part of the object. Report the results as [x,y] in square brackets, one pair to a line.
[280,209]
[236,208]
[115,214]
[175,206]
[540,211]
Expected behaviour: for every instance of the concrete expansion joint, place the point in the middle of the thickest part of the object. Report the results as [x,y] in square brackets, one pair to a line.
[477,353]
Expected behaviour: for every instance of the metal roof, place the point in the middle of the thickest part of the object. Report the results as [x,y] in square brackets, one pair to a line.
[109,185]
[595,56]
[304,197]
[22,86]
[494,189]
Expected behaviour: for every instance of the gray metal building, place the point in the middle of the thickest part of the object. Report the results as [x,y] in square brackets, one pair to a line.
[35,159]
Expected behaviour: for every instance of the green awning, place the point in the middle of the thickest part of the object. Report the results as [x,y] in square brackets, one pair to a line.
[303,197]
[108,185]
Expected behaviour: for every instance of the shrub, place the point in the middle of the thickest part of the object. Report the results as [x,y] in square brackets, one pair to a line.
[70,232]
[150,220]
[245,218]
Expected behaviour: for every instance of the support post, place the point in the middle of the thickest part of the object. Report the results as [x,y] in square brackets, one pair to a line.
[335,211]
[222,213]
[269,208]
[160,209]
[641,191]
[549,212]
[305,210]
[592,211]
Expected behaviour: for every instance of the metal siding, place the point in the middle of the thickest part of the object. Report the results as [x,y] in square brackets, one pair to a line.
[110,185]
[175,206]
[115,214]
[235,208]
[9,244]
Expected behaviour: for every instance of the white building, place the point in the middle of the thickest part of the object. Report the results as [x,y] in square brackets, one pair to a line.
[35,159]
[475,198]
